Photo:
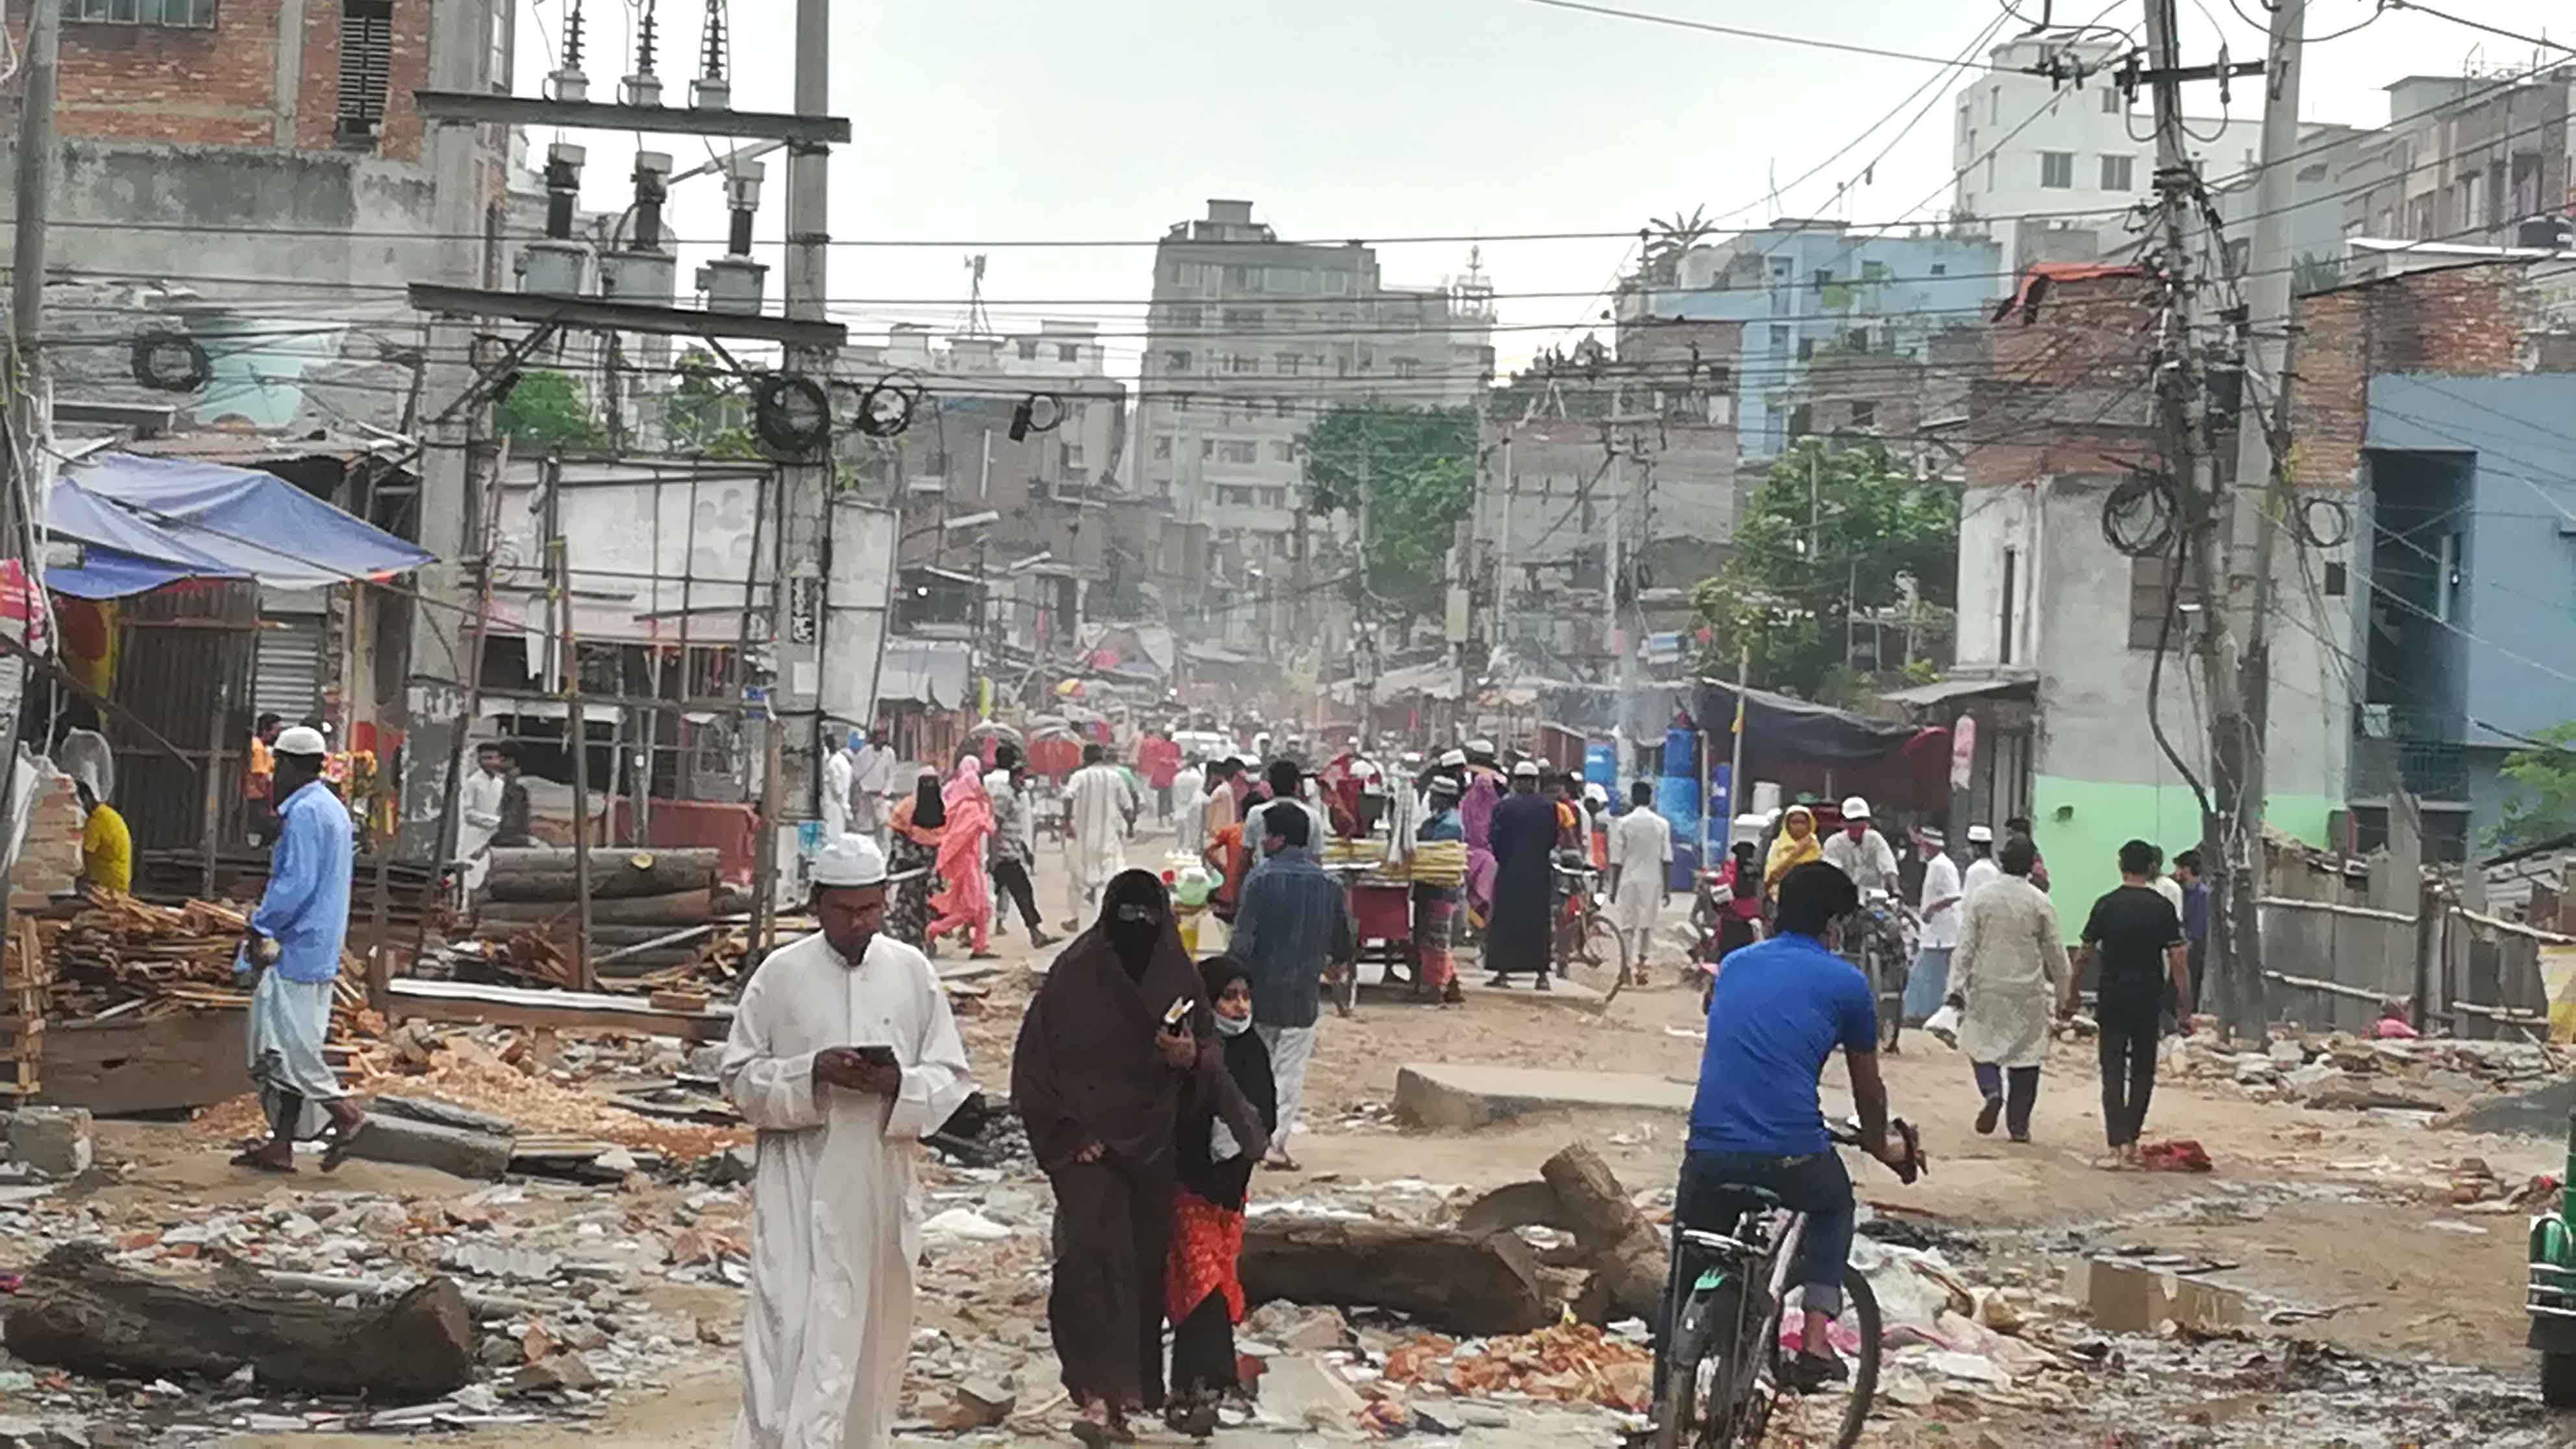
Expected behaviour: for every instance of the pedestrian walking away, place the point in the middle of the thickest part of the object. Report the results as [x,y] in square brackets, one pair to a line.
[1520,929]
[2010,979]
[1640,853]
[2135,944]
[964,905]
[842,1055]
[1014,845]
[1119,1033]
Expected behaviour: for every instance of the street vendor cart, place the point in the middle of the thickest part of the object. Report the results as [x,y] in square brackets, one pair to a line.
[1382,904]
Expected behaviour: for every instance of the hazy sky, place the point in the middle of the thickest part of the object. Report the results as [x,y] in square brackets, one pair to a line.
[984,123]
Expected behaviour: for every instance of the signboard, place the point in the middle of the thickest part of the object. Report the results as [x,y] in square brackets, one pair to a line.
[1963,752]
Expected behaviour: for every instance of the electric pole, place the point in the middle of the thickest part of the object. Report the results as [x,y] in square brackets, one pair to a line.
[29,389]
[2182,416]
[2262,477]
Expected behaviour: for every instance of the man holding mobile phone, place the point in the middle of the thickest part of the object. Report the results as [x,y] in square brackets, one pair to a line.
[844,1055]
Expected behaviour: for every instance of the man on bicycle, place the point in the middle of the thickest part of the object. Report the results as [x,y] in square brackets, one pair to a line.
[1777,1012]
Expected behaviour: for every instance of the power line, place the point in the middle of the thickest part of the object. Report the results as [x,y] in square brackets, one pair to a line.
[1740,33]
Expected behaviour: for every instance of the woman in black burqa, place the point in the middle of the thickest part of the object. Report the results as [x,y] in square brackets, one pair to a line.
[1100,1082]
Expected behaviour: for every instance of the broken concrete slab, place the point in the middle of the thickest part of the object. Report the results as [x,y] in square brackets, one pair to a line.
[2128,1298]
[1434,1095]
[53,1140]
[1514,1205]
[2541,1112]
[442,1114]
[452,1150]
[1307,1391]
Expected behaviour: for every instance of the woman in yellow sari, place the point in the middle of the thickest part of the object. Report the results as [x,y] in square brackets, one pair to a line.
[1795,845]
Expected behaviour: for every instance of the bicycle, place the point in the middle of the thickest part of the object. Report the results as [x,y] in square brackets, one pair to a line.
[1874,940]
[1590,951]
[1723,1365]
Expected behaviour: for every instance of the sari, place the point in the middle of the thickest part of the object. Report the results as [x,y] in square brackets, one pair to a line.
[967,901]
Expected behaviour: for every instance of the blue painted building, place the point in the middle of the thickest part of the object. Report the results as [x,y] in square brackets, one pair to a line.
[2467,616]
[1808,288]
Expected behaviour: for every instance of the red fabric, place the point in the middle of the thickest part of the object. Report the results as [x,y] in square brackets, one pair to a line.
[1207,1241]
[1382,913]
[1228,847]
[1055,758]
[731,828]
[2180,1155]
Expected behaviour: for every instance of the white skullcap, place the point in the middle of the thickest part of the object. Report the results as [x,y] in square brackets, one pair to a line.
[1453,757]
[1981,835]
[849,860]
[1480,747]
[1855,808]
[302,740]
[1595,792]
[1525,770]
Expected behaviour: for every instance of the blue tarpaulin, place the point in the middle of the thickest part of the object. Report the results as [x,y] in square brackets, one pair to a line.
[148,521]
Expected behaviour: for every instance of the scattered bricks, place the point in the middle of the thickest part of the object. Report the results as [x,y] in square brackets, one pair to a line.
[53,1140]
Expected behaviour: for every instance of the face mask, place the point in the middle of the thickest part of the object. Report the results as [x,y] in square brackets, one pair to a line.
[1228,1026]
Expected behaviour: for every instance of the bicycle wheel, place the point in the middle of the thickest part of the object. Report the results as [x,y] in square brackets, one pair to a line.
[1842,1413]
[1695,1370]
[1599,959]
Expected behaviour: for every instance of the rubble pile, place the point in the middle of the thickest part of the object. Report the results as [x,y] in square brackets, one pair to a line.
[2339,1071]
[1567,1364]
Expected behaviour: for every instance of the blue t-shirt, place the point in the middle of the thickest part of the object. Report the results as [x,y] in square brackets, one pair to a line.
[1779,1009]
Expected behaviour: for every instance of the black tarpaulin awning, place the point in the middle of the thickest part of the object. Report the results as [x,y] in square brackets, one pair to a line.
[1779,728]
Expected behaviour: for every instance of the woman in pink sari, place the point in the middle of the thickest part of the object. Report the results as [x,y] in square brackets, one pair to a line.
[967,904]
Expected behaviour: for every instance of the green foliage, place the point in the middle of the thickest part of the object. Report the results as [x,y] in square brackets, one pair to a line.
[545,414]
[2544,772]
[1415,468]
[1824,522]
[707,414]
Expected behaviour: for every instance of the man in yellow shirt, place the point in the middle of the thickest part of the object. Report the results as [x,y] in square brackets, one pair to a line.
[107,849]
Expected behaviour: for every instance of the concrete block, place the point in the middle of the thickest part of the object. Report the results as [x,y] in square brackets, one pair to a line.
[442,1114]
[53,1140]
[1466,1096]
[426,1144]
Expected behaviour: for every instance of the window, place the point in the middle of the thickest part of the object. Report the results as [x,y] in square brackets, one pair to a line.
[1864,415]
[1806,348]
[1162,447]
[2119,173]
[2057,170]
[1963,120]
[1068,352]
[1291,279]
[192,14]
[1801,420]
[1779,269]
[1274,497]
[366,63]
[2148,590]
[1283,452]
[1185,274]
[1207,448]
[1176,361]
[1069,459]
[1779,339]
[1028,349]
[1824,278]
[1288,364]
[1242,362]
[1243,279]
[1286,408]
[2110,101]
[1337,284]
[1237,451]
[1243,319]
[1181,314]
[1940,269]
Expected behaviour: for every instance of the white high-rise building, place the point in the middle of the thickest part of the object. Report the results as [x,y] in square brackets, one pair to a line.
[2074,157]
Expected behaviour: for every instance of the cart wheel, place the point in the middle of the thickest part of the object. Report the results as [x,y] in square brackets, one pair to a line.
[1600,957]
[2558,1380]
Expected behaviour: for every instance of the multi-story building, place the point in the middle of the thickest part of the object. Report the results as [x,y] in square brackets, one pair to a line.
[2073,154]
[1810,294]
[2479,160]
[1252,339]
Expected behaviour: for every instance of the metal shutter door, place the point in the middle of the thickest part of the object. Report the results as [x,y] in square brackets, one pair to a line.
[289,677]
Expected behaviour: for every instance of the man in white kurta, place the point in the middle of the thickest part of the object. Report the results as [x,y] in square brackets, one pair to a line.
[1102,808]
[1189,808]
[478,810]
[834,1231]
[1641,857]
[2009,977]
[833,806]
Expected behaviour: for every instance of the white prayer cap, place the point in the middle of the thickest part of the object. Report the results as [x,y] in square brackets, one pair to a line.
[1981,835]
[1525,770]
[1855,808]
[849,860]
[302,740]
[1480,747]
[1596,794]
[1453,758]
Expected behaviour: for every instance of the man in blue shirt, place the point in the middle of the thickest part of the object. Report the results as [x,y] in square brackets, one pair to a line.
[1777,1011]
[293,944]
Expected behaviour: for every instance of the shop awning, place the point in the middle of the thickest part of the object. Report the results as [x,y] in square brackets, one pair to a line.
[924,671]
[205,520]
[1978,686]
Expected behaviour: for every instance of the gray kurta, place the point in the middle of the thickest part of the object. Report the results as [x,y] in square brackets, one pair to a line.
[2011,969]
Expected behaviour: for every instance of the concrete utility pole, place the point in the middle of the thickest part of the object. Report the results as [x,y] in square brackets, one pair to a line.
[2182,422]
[2262,496]
[30,394]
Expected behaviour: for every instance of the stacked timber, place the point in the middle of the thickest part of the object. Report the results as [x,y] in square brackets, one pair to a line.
[650,911]
[25,971]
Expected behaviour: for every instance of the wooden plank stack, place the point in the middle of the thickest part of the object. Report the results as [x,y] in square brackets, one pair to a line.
[24,972]
[530,904]
[119,956]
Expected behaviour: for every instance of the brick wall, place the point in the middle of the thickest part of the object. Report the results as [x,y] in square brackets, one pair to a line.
[2480,320]
[2063,385]
[218,86]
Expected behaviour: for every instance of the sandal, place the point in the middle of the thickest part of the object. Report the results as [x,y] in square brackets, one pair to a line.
[335,1149]
[259,1161]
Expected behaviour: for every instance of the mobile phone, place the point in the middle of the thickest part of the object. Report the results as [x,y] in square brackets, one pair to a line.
[1176,1015]
[877,1056]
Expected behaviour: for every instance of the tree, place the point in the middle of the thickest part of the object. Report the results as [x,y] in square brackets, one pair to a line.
[2544,806]
[1829,528]
[1415,469]
[545,413]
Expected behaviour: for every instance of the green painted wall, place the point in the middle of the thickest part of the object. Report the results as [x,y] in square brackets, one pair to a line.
[2081,825]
